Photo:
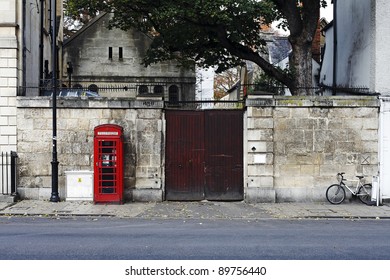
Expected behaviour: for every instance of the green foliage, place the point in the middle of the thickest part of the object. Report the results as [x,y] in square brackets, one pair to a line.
[77,9]
[218,33]
[189,29]
[267,83]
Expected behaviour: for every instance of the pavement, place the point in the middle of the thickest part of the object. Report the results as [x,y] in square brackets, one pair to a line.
[196,210]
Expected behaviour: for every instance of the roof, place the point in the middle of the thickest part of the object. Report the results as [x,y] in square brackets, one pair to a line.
[328,26]
[85,28]
[278,48]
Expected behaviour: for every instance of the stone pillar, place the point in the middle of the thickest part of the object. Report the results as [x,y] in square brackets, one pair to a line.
[8,75]
[149,154]
[259,152]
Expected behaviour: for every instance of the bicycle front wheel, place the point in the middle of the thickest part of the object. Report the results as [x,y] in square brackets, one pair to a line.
[335,194]
[364,193]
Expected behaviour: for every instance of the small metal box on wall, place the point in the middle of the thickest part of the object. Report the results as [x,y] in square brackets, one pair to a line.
[108,164]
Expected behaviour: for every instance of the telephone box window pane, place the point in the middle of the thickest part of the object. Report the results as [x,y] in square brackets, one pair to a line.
[108,163]
[107,159]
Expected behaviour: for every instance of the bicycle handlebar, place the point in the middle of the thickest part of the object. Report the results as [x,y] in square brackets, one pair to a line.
[341,176]
[343,179]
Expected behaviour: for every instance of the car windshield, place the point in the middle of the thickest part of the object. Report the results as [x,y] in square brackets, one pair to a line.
[72,93]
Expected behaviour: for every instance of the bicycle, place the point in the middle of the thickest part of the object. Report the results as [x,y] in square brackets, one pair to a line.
[335,194]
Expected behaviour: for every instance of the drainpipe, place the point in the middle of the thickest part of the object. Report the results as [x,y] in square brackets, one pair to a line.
[334,85]
[41,47]
[22,92]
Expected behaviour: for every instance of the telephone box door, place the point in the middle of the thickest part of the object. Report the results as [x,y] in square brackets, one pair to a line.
[108,164]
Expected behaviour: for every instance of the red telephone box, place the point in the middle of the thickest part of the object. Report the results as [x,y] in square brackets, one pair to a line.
[108,164]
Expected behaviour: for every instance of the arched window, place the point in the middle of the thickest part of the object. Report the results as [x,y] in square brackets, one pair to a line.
[173,94]
[93,88]
[158,90]
[77,86]
[143,89]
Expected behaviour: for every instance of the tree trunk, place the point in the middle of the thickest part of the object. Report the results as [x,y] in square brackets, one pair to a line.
[301,68]
[302,17]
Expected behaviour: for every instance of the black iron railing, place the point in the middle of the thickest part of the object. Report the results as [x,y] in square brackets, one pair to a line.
[8,165]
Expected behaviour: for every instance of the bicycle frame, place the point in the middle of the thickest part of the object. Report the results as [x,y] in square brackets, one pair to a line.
[335,193]
[358,184]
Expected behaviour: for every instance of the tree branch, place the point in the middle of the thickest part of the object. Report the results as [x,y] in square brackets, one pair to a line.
[291,12]
[247,53]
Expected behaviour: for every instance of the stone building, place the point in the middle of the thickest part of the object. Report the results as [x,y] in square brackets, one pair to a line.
[25,57]
[109,61]
[356,60]
[292,147]
[10,38]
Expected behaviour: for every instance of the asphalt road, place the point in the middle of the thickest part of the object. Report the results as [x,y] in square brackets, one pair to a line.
[27,238]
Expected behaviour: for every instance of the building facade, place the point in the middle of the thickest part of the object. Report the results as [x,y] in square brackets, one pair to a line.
[25,57]
[9,67]
[356,60]
[109,61]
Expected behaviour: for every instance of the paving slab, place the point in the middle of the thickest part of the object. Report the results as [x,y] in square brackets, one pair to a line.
[74,208]
[197,210]
[326,210]
[204,210]
[4,205]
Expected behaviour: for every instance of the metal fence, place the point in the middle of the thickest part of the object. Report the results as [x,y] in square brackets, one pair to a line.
[8,174]
[124,88]
[149,87]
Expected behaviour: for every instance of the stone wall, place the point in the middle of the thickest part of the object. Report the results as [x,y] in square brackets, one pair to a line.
[8,76]
[293,146]
[296,146]
[76,120]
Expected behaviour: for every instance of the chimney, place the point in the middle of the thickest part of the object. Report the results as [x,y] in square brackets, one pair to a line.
[316,44]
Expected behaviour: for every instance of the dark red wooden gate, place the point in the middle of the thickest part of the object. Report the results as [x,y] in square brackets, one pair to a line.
[204,155]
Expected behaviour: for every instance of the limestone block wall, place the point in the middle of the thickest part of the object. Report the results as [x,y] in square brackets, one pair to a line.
[260,154]
[8,76]
[296,146]
[293,146]
[76,120]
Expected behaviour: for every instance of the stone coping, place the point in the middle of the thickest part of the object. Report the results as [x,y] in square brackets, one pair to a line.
[91,103]
[157,103]
[313,101]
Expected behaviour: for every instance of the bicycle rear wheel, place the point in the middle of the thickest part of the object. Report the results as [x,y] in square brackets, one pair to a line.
[335,194]
[364,193]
